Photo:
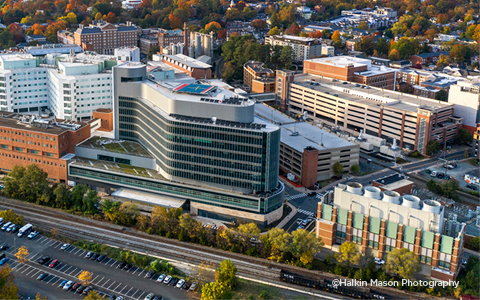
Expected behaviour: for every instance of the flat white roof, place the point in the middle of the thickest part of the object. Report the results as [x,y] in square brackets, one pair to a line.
[148,198]
[343,61]
[266,112]
[188,61]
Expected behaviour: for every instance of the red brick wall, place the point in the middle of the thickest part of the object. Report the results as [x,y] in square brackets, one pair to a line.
[340,73]
[106,120]
[309,167]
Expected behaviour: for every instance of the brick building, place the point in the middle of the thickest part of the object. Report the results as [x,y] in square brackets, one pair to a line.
[106,117]
[147,42]
[258,78]
[25,141]
[382,221]
[352,69]
[167,37]
[103,38]
[192,67]
[427,58]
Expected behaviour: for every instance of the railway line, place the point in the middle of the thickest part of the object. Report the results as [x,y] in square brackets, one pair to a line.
[80,228]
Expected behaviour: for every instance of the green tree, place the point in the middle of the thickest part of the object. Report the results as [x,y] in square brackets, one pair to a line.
[348,254]
[226,274]
[402,262]
[338,169]
[77,194]
[94,295]
[287,57]
[8,289]
[274,21]
[249,228]
[474,244]
[464,137]
[62,196]
[441,96]
[11,216]
[382,47]
[432,148]
[276,243]
[90,202]
[274,31]
[355,169]
[152,51]
[213,291]
[304,243]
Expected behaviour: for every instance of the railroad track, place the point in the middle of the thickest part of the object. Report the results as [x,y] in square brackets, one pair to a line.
[79,228]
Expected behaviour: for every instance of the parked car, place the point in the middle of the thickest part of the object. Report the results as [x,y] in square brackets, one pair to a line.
[312,194]
[3,261]
[193,287]
[15,228]
[6,225]
[33,234]
[161,278]
[4,247]
[121,265]
[10,228]
[472,187]
[167,279]
[54,263]
[42,260]
[87,290]
[379,261]
[150,274]
[65,246]
[180,283]
[112,297]
[433,174]
[81,288]
[68,285]
[100,258]
[62,284]
[174,281]
[150,296]
[127,267]
[94,256]
[42,276]
[440,175]
[76,286]
[89,254]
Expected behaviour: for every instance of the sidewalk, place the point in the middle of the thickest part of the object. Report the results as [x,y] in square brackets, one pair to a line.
[289,217]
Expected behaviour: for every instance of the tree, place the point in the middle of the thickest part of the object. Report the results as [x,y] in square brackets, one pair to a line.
[402,262]
[336,37]
[474,244]
[276,242]
[460,53]
[443,61]
[274,31]
[94,295]
[363,25]
[287,57]
[394,55]
[39,297]
[8,289]
[213,291]
[441,95]
[348,254]
[382,46]
[21,254]
[259,24]
[85,277]
[11,216]
[432,148]
[98,16]
[205,272]
[338,169]
[152,51]
[175,22]
[304,242]
[464,137]
[355,169]
[274,20]
[226,274]
[249,228]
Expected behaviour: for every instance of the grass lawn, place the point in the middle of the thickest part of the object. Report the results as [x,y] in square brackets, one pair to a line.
[323,183]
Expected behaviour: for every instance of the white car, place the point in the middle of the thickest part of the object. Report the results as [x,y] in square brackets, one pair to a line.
[65,246]
[379,261]
[180,283]
[167,279]
[161,278]
[68,285]
[33,234]
[149,296]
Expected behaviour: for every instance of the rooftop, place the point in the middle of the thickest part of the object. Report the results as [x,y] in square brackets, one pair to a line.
[370,95]
[308,135]
[125,147]
[188,61]
[390,179]
[149,198]
[38,124]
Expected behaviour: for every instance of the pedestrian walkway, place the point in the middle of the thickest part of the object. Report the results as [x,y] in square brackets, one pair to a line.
[296,196]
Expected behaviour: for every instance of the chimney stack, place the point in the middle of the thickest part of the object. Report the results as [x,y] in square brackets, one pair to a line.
[185,39]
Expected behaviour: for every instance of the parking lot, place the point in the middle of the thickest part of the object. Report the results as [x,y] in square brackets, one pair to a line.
[457,173]
[106,277]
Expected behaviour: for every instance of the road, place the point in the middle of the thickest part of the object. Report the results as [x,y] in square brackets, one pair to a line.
[130,284]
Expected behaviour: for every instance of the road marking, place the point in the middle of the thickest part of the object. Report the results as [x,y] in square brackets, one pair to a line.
[35,274]
[141,272]
[111,285]
[136,269]
[135,293]
[52,277]
[18,264]
[71,250]
[56,280]
[113,263]
[98,283]
[67,269]
[108,261]
[49,244]
[105,283]
[74,270]
[63,266]
[79,250]
[28,267]
[117,286]
[33,269]
[95,278]
[122,289]
[141,295]
[129,291]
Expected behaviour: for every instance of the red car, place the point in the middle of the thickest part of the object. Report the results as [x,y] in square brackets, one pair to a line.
[54,263]
[75,286]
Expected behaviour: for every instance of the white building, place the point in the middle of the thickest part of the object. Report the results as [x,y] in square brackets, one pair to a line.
[126,54]
[305,12]
[328,50]
[71,87]
[466,97]
[304,48]
[131,4]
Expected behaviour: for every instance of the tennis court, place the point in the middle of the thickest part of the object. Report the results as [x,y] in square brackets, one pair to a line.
[194,88]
